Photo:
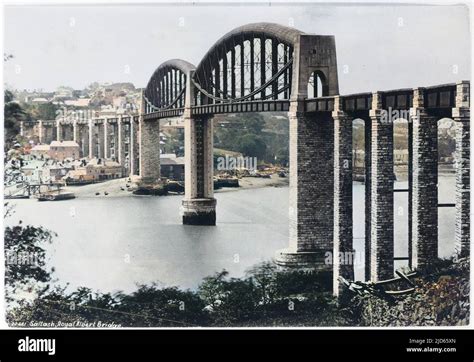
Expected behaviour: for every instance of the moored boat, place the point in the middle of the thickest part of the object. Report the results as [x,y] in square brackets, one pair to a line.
[51,196]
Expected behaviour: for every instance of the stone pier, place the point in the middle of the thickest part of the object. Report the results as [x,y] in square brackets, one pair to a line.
[343,255]
[311,145]
[311,191]
[382,180]
[91,138]
[368,193]
[120,145]
[40,131]
[425,184]
[199,205]
[150,152]
[59,131]
[461,115]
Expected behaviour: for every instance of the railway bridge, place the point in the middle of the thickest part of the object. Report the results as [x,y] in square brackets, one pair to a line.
[267,67]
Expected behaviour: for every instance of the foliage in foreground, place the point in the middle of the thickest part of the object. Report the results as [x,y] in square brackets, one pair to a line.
[266,296]
[440,299]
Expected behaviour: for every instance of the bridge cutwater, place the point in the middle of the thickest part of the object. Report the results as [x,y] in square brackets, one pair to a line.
[267,67]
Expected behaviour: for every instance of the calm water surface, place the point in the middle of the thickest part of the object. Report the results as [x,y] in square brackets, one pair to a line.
[112,244]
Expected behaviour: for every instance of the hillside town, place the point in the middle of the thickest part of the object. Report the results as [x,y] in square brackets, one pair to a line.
[40,148]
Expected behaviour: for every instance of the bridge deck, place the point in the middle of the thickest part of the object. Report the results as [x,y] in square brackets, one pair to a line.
[438,99]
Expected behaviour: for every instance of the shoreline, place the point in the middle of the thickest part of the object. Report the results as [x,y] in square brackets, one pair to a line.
[117,187]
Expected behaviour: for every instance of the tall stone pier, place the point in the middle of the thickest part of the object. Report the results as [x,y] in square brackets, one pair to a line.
[199,204]
[382,181]
[461,116]
[311,146]
[344,256]
[148,148]
[425,184]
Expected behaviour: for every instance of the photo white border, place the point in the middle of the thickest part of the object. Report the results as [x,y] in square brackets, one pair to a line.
[8,3]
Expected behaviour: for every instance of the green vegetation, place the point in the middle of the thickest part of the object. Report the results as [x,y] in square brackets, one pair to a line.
[254,135]
[14,114]
[42,110]
[440,299]
[266,296]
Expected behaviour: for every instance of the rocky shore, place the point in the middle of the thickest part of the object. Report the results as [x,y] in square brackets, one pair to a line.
[118,187]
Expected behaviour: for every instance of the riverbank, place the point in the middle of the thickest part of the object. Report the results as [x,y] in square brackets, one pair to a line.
[118,187]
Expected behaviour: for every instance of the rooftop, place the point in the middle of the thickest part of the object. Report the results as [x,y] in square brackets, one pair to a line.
[64,144]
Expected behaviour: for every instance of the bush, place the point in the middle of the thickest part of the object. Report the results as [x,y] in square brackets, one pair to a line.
[441,299]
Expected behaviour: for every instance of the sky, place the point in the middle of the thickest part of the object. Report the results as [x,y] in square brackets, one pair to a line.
[379,47]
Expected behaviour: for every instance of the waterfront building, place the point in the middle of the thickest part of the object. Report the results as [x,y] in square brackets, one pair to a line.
[172,167]
[60,150]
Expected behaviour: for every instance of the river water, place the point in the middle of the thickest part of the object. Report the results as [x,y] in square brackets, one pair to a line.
[112,244]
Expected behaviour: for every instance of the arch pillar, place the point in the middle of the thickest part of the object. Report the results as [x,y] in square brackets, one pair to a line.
[40,131]
[91,138]
[120,145]
[425,184]
[343,254]
[150,151]
[105,141]
[199,204]
[382,181]
[311,191]
[59,131]
[76,133]
[461,115]
[149,148]
[311,146]
[134,155]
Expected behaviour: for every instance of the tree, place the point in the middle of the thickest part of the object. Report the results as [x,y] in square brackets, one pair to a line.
[13,113]
[25,267]
[46,111]
[263,276]
[252,145]
[229,300]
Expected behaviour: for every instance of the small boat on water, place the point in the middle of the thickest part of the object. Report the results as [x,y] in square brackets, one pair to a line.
[56,196]
[228,181]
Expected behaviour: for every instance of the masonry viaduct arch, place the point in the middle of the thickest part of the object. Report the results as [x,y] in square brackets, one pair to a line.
[266,67]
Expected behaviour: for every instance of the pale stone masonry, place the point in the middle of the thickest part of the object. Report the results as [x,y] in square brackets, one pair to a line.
[150,152]
[105,142]
[343,229]
[121,141]
[368,192]
[59,134]
[75,132]
[134,147]
[91,138]
[461,115]
[199,204]
[96,137]
[382,178]
[311,210]
[425,184]
[311,145]
[101,139]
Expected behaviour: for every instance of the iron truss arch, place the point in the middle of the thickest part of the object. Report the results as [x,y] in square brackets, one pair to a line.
[166,89]
[250,63]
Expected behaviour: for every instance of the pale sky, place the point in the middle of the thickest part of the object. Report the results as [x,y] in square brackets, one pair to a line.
[379,47]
